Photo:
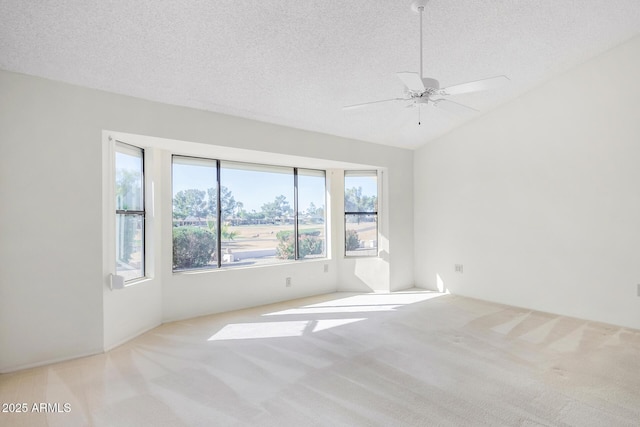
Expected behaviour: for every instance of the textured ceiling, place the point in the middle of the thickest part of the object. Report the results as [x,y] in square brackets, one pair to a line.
[297,62]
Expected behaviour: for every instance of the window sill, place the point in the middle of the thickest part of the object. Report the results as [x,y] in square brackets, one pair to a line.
[134,282]
[361,256]
[250,267]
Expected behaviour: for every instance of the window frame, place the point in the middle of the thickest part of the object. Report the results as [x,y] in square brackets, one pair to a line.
[123,147]
[362,213]
[297,212]
[218,249]
[219,163]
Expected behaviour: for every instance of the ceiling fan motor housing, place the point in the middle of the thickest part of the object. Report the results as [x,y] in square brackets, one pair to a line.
[419,4]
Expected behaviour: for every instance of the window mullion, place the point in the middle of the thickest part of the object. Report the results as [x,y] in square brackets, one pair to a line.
[219,215]
[295,214]
[127,212]
[361,213]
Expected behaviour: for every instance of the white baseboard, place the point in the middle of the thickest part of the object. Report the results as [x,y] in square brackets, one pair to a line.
[16,368]
[108,348]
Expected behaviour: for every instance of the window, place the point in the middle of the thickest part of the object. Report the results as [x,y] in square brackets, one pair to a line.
[361,213]
[267,215]
[259,221]
[130,213]
[311,199]
[195,213]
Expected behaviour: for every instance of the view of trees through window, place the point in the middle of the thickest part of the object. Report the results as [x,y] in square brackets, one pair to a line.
[311,213]
[361,213]
[258,222]
[129,185]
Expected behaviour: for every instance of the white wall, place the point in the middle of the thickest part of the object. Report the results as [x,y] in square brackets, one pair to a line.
[189,294]
[50,229]
[540,199]
[138,307]
[54,298]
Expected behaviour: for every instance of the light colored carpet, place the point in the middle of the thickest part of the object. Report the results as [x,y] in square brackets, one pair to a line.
[412,358]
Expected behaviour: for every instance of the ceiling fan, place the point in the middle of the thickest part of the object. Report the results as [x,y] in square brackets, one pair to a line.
[421,90]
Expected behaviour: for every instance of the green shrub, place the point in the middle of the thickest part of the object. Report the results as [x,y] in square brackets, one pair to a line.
[309,244]
[285,248]
[353,241]
[192,247]
[284,234]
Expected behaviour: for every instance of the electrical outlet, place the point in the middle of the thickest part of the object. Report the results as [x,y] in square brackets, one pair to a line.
[326,268]
[287,282]
[458,268]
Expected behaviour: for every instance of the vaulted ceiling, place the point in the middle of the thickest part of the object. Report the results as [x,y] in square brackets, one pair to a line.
[296,63]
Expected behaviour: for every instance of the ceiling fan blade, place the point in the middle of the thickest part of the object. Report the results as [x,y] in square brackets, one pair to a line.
[365,104]
[490,83]
[453,107]
[412,81]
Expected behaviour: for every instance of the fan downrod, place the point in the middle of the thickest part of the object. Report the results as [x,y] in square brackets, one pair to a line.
[418,6]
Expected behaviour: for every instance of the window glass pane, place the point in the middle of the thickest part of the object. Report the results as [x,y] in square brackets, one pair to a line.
[257,214]
[129,194]
[360,191]
[129,246]
[361,235]
[194,213]
[311,214]
[361,207]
